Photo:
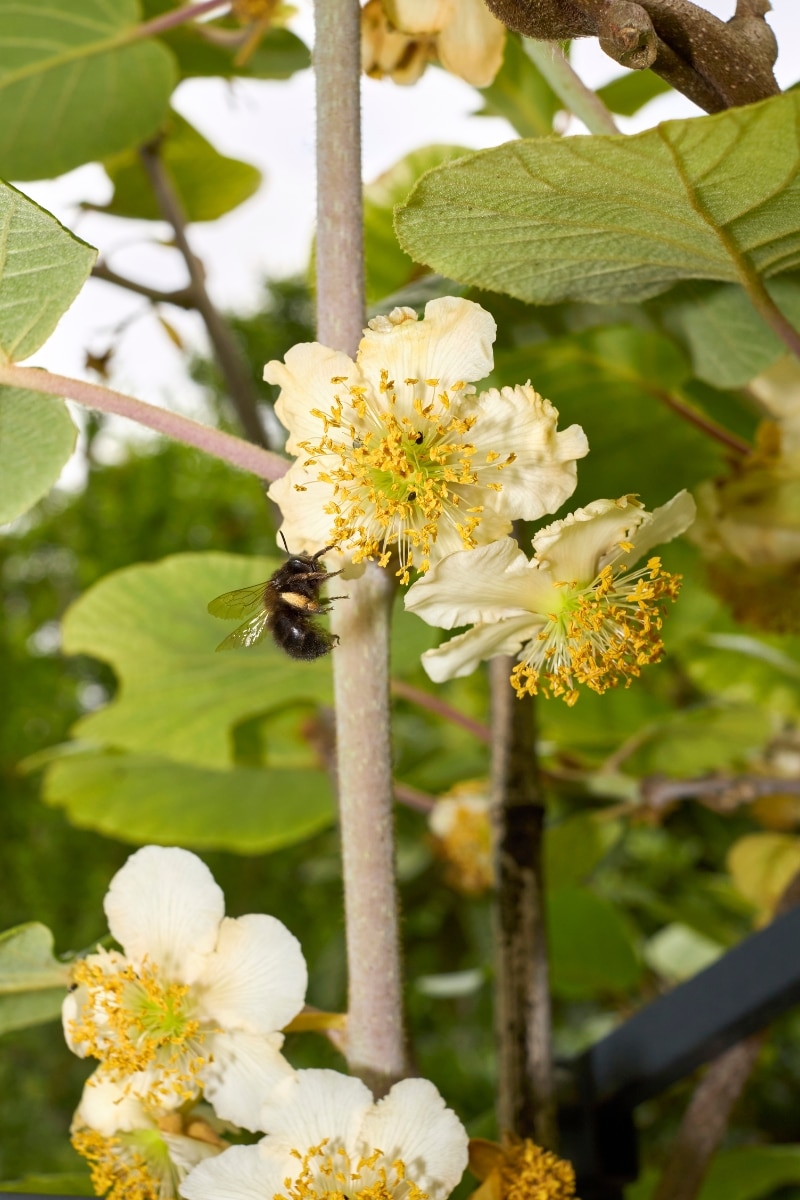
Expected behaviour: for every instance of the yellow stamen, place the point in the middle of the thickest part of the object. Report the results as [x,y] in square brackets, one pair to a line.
[120,1166]
[329,1173]
[530,1173]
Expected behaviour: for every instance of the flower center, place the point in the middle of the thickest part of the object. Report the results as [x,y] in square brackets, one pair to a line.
[602,635]
[132,1020]
[128,1166]
[400,466]
[530,1173]
[329,1173]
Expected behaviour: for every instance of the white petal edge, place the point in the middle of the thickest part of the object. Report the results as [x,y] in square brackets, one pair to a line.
[305,382]
[574,549]
[315,1104]
[666,523]
[465,652]
[239,1173]
[486,584]
[165,904]
[245,1068]
[413,1123]
[106,1107]
[256,978]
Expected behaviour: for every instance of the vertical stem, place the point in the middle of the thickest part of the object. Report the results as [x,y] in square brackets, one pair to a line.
[376,1047]
[573,93]
[523,1021]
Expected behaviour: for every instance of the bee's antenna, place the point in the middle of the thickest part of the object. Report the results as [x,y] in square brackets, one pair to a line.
[283,539]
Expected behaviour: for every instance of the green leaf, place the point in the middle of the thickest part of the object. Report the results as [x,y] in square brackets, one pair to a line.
[388,268]
[678,952]
[728,341]
[207,183]
[74,84]
[632,91]
[742,1173]
[591,950]
[521,94]
[42,268]
[66,1183]
[617,218]
[140,798]
[698,740]
[37,437]
[616,382]
[33,983]
[177,697]
[574,847]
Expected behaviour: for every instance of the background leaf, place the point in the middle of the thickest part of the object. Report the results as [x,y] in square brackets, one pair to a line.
[42,268]
[520,93]
[33,983]
[37,437]
[591,951]
[72,91]
[617,218]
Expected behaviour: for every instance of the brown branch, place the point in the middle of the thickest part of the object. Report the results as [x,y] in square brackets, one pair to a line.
[687,412]
[717,64]
[523,1021]
[658,791]
[181,297]
[433,704]
[232,363]
[412,797]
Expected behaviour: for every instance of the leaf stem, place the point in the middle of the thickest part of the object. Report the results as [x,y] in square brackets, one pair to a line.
[405,691]
[178,16]
[244,455]
[731,441]
[376,1049]
[573,93]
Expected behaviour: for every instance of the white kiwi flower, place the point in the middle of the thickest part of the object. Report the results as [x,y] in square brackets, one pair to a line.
[194,1000]
[397,455]
[329,1140]
[575,614]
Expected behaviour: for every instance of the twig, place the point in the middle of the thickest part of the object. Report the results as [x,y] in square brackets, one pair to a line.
[181,297]
[179,16]
[731,441]
[405,691]
[231,360]
[239,453]
[413,798]
[657,791]
[573,93]
[523,1022]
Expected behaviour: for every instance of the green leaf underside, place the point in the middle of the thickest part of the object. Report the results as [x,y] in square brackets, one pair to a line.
[42,268]
[591,950]
[617,218]
[71,90]
[37,437]
[140,798]
[177,697]
[208,184]
[613,381]
[32,981]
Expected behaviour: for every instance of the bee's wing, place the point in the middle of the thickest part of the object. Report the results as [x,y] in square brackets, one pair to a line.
[239,603]
[248,634]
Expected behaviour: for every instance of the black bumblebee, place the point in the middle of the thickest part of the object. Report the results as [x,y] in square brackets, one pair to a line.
[284,606]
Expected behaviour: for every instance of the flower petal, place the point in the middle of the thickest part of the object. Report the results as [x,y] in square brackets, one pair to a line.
[463,654]
[109,1107]
[306,526]
[664,524]
[240,1173]
[413,1123]
[471,45]
[165,904]
[452,343]
[245,1068]
[313,1105]
[486,584]
[256,978]
[305,382]
[575,549]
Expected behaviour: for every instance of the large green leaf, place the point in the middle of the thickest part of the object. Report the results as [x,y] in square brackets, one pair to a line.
[741,1173]
[177,697]
[74,85]
[42,268]
[208,183]
[616,382]
[141,798]
[388,267]
[574,847]
[37,437]
[617,218]
[697,740]
[33,983]
[521,94]
[591,950]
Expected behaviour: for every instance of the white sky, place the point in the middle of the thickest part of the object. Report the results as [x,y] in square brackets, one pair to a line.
[272,126]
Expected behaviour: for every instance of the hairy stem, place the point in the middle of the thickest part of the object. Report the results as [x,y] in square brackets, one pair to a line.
[573,93]
[523,1019]
[224,446]
[230,358]
[376,1048]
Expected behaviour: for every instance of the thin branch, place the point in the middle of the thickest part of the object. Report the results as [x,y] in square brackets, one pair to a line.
[658,791]
[523,1019]
[232,362]
[179,16]
[181,297]
[433,704]
[707,426]
[244,455]
[573,93]
[413,798]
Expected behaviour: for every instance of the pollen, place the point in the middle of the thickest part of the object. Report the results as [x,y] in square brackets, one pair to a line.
[328,1172]
[530,1173]
[402,466]
[134,1020]
[600,636]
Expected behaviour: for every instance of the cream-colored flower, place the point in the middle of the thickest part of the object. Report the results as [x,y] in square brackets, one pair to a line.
[462,833]
[574,614]
[131,1154]
[329,1139]
[399,37]
[194,1001]
[398,455]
